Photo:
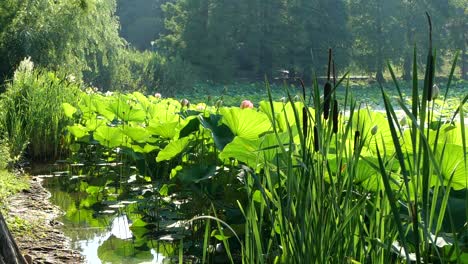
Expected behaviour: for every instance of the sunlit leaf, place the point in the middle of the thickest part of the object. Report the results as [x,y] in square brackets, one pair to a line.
[173,149]
[245,123]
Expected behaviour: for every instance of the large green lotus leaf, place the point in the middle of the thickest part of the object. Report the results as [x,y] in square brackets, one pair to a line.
[367,122]
[221,134]
[452,134]
[269,145]
[137,134]
[245,123]
[142,100]
[165,111]
[78,130]
[146,149]
[110,136]
[102,108]
[95,122]
[244,150]
[173,149]
[165,130]
[452,163]
[254,152]
[87,105]
[127,110]
[69,110]
[196,173]
[189,125]
[284,113]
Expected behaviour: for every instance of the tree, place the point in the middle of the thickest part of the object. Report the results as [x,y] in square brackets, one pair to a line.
[376,31]
[76,37]
[457,27]
[141,21]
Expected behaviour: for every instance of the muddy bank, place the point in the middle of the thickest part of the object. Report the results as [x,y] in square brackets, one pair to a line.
[41,239]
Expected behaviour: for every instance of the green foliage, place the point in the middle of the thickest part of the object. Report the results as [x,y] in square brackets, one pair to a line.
[32,119]
[75,37]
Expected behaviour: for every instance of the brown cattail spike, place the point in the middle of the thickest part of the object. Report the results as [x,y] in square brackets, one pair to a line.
[305,123]
[430,62]
[357,136]
[327,98]
[316,139]
[335,116]
[327,88]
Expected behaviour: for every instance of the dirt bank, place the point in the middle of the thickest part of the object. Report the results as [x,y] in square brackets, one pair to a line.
[40,238]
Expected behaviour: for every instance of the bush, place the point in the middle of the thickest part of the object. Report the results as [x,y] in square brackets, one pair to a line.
[32,118]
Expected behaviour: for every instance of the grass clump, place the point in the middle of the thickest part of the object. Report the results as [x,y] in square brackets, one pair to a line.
[32,119]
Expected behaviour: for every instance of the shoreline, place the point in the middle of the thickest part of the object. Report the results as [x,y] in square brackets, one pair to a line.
[41,240]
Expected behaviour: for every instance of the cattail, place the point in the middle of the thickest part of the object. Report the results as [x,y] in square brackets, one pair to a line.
[327,89]
[305,124]
[430,63]
[335,116]
[326,104]
[316,139]
[357,136]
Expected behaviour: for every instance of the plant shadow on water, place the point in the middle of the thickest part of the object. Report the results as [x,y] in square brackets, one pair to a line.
[102,230]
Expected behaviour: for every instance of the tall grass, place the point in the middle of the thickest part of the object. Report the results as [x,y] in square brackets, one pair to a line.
[32,118]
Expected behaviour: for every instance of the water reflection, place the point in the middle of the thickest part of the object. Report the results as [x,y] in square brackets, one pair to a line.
[101,235]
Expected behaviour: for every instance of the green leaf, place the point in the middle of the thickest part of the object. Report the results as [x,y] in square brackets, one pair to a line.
[245,123]
[192,125]
[127,111]
[196,174]
[173,149]
[138,223]
[78,130]
[146,149]
[137,134]
[452,163]
[69,110]
[255,153]
[165,130]
[221,134]
[109,136]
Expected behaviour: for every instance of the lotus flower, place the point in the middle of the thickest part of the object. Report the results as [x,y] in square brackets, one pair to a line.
[157,95]
[246,104]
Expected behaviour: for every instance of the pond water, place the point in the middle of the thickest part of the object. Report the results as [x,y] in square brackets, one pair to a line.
[104,234]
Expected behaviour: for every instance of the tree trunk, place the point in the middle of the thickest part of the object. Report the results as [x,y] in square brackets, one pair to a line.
[9,252]
[380,60]
[407,69]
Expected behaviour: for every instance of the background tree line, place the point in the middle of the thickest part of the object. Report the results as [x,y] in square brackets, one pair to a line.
[156,44]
